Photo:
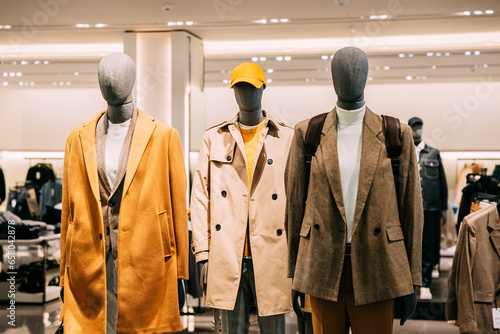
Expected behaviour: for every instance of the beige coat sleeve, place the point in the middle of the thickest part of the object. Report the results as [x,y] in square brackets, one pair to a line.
[178,186]
[410,206]
[200,204]
[295,187]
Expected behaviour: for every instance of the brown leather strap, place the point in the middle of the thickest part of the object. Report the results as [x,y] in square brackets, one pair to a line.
[394,145]
[313,137]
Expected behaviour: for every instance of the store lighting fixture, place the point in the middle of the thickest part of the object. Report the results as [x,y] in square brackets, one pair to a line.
[77,74]
[274,20]
[467,53]
[433,67]
[279,58]
[83,25]
[477,53]
[489,11]
[409,77]
[269,80]
[410,55]
[379,17]
[32,83]
[14,63]
[429,54]
[287,58]
[387,68]
[438,54]
[370,78]
[46,62]
[179,23]
[100,25]
[447,54]
[324,57]
[5,26]
[5,84]
[61,83]
[12,74]
[5,74]
[270,70]
[54,83]
[424,77]
[331,57]
[255,58]
[478,12]
[36,62]
[401,55]
[21,83]
[284,20]
[485,65]
[189,23]
[263,21]
[262,58]
[466,13]
[19,74]
[307,80]
[68,83]
[225,81]
[24,62]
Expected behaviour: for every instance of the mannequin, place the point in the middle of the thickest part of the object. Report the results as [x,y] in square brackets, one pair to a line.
[238,210]
[109,156]
[435,200]
[348,165]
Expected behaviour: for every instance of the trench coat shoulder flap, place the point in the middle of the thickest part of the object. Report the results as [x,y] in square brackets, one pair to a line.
[222,143]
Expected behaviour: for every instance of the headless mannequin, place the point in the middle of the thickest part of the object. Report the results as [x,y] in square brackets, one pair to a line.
[249,100]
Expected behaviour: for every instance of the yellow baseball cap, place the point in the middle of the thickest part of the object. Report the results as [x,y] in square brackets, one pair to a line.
[248,72]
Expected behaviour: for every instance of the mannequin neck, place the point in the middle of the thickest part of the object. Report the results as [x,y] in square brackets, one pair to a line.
[354,116]
[417,141]
[121,113]
[350,105]
[251,118]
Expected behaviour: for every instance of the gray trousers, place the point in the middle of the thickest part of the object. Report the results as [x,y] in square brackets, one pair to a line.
[237,321]
[112,289]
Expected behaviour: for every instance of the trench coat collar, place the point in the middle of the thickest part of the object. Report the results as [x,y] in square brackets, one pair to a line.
[143,130]
[370,153]
[494,227]
[270,121]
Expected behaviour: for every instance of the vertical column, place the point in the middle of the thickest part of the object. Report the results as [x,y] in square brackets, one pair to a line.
[169,68]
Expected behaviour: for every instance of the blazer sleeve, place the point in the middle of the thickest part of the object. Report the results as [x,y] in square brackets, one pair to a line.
[65,215]
[410,206]
[200,204]
[460,301]
[295,187]
[178,187]
[443,185]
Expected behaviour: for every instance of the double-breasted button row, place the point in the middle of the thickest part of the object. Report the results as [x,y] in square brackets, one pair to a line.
[223,193]
[269,161]
[217,227]
[229,158]
[275,197]
[279,232]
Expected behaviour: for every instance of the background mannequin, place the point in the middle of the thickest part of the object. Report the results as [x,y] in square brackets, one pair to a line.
[435,200]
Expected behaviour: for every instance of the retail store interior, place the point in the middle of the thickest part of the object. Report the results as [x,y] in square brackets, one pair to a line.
[435,60]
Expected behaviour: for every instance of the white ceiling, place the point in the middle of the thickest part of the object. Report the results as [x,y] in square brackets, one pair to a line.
[396,26]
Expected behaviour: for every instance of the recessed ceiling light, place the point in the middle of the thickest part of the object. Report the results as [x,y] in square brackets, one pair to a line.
[255,58]
[477,53]
[387,68]
[19,74]
[424,77]
[279,58]
[409,77]
[438,54]
[478,12]
[225,81]
[262,58]
[12,74]
[284,20]
[5,84]
[100,25]
[32,83]
[54,83]
[274,20]
[46,62]
[401,55]
[14,63]
[377,68]
[384,17]
[489,11]
[36,62]
[5,74]
[189,23]
[324,57]
[410,55]
[263,21]
[467,13]
[485,65]
[24,62]
[61,83]
[270,70]
[179,23]
[447,54]
[331,57]
[171,24]
[68,83]
[374,17]
[430,54]
[269,80]
[5,27]
[83,25]
[21,83]
[307,80]
[77,74]
[287,58]
[467,53]
[370,78]
[433,67]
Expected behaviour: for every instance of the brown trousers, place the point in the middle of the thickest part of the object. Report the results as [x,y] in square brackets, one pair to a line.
[336,317]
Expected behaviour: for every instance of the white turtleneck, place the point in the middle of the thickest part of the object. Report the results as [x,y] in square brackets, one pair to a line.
[115,139]
[349,144]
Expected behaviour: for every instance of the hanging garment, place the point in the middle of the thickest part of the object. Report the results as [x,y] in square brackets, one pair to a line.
[2,186]
[153,242]
[50,195]
[223,205]
[448,230]
[386,252]
[474,281]
[473,168]
[434,186]
[39,174]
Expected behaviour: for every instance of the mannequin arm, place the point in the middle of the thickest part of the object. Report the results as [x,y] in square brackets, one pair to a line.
[204,275]
[405,306]
[298,300]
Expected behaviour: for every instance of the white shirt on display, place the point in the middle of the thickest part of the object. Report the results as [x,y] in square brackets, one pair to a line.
[418,149]
[115,138]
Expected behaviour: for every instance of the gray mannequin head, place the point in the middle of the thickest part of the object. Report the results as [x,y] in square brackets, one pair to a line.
[249,81]
[116,80]
[349,74]
[416,125]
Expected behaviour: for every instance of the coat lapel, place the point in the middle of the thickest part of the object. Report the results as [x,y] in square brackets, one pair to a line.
[101,156]
[88,140]
[142,133]
[370,154]
[238,138]
[494,228]
[328,146]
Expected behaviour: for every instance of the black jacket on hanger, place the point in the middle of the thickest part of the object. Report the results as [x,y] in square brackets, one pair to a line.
[39,174]
[434,186]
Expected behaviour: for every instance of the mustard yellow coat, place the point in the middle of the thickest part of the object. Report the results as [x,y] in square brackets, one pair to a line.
[153,234]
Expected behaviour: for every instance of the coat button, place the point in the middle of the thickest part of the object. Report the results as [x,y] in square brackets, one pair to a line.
[269,161]
[316,226]
[275,197]
[279,232]
[100,236]
[376,231]
[217,227]
[228,158]
[111,204]
[223,193]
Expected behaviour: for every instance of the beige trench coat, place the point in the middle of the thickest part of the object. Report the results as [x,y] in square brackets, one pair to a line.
[386,251]
[222,205]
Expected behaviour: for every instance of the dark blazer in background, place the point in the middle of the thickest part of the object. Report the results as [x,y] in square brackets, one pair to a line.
[386,246]
[434,186]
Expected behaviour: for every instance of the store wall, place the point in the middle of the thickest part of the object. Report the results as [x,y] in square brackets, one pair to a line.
[41,119]
[457,116]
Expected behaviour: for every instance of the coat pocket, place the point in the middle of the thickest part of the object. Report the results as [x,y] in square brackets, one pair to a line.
[304,230]
[431,169]
[69,240]
[165,234]
[483,297]
[395,233]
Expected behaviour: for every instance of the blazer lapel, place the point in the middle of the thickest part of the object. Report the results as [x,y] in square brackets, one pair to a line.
[101,150]
[494,228]
[88,140]
[142,133]
[328,147]
[370,154]
[238,138]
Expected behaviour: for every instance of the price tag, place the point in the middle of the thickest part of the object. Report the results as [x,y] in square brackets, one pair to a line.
[496,318]
[38,175]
